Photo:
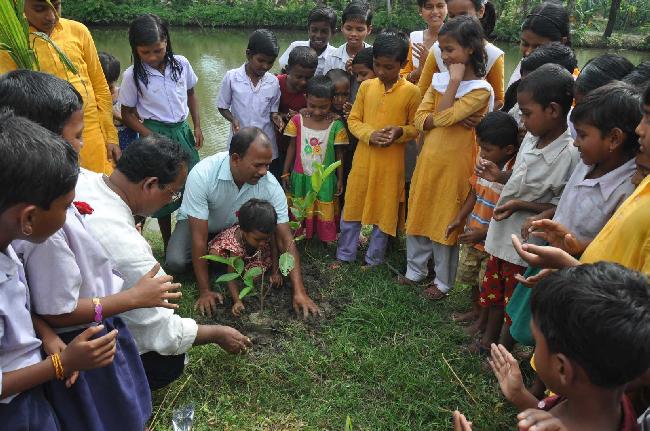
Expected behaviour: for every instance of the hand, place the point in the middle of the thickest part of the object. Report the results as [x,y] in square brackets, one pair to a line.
[151,291]
[237,308]
[455,224]
[557,235]
[198,137]
[276,279]
[347,107]
[348,65]
[393,133]
[543,256]
[456,72]
[339,188]
[378,138]
[528,222]
[419,51]
[113,151]
[473,120]
[461,423]
[473,236]
[539,420]
[305,112]
[233,341]
[302,302]
[278,121]
[290,115]
[487,170]
[504,211]
[506,369]
[207,303]
[234,126]
[286,183]
[53,344]
[534,279]
[84,354]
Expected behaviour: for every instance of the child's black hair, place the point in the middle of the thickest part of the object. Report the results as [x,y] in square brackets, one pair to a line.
[489,19]
[110,66]
[263,41]
[304,56]
[498,128]
[322,14]
[336,75]
[391,44]
[549,20]
[614,105]
[601,70]
[357,11]
[40,97]
[549,83]
[646,96]
[364,57]
[145,30]
[597,316]
[554,52]
[258,215]
[320,86]
[640,76]
[37,166]
[153,156]
[467,31]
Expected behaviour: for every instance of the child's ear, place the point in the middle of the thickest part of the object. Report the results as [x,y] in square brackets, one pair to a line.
[510,150]
[369,29]
[615,138]
[248,54]
[566,371]
[556,110]
[26,217]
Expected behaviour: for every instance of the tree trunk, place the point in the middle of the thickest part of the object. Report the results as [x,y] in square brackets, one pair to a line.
[571,10]
[613,11]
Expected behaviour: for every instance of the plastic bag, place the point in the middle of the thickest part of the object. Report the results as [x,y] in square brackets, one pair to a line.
[183,417]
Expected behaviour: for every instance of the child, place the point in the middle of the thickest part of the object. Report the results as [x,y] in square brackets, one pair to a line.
[361,70]
[441,179]
[640,76]
[497,136]
[251,239]
[111,68]
[321,24]
[483,11]
[356,25]
[159,89]
[250,95]
[382,120]
[599,71]
[544,163]
[40,171]
[341,101]
[316,139]
[433,12]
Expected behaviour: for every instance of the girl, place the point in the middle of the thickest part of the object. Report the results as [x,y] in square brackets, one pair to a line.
[599,71]
[446,162]
[433,12]
[484,11]
[159,89]
[251,239]
[316,138]
[41,171]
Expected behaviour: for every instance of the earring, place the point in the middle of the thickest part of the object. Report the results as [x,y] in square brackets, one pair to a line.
[27,231]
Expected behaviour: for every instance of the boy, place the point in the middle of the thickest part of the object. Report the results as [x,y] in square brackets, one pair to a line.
[544,164]
[321,24]
[382,120]
[497,138]
[341,101]
[356,25]
[250,95]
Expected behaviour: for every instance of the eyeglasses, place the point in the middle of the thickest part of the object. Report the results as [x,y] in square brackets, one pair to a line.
[175,195]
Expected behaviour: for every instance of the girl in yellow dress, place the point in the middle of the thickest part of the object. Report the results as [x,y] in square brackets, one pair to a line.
[441,179]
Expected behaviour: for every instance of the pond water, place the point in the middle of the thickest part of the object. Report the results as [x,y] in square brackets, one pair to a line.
[214,51]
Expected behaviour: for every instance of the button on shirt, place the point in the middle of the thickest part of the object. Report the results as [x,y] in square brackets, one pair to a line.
[162,99]
[539,175]
[338,58]
[251,105]
[19,347]
[320,69]
[211,194]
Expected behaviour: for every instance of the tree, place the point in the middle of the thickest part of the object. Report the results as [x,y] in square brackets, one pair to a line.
[613,12]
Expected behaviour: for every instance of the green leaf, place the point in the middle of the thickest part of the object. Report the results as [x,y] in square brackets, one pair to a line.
[245,291]
[331,168]
[238,264]
[316,181]
[348,424]
[310,199]
[252,273]
[299,238]
[287,263]
[225,260]
[227,277]
[295,225]
[297,213]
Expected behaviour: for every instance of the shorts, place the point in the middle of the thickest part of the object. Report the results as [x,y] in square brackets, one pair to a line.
[499,282]
[471,265]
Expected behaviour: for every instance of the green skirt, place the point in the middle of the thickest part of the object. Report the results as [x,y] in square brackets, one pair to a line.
[181,133]
[518,309]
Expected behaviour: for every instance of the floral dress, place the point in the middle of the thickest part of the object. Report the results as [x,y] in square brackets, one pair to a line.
[227,244]
[316,146]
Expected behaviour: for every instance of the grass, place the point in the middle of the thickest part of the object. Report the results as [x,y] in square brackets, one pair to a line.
[381,355]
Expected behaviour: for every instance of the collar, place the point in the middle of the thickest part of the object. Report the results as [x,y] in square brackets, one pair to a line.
[241,76]
[8,263]
[326,52]
[400,81]
[225,173]
[609,182]
[341,51]
[553,150]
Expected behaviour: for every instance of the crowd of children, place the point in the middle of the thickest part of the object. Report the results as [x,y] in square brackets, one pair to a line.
[432,143]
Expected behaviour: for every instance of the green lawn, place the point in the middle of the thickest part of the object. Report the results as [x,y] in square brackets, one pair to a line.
[380,354]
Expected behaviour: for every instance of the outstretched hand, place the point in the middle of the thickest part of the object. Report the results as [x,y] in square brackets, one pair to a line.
[543,256]
[461,423]
[557,235]
[506,369]
[539,420]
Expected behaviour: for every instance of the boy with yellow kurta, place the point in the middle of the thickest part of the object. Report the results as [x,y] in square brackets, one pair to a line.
[382,120]
[73,38]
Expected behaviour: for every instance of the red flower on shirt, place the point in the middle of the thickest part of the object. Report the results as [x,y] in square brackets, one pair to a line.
[83,208]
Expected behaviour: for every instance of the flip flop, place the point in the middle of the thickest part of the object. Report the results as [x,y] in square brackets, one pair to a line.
[433,293]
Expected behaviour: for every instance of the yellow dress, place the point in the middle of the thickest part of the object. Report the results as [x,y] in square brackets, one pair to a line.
[440,183]
[376,182]
[75,40]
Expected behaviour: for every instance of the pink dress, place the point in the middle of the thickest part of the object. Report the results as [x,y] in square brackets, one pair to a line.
[227,244]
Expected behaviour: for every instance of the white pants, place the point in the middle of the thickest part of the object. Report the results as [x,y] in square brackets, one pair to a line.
[445,258]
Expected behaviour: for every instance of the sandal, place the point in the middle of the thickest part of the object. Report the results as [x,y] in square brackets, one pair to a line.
[403,281]
[337,264]
[433,293]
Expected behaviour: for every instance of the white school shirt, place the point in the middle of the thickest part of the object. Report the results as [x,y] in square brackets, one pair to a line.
[211,194]
[587,204]
[19,347]
[162,99]
[78,263]
[112,225]
[338,58]
[493,54]
[284,58]
[538,175]
[416,36]
[251,105]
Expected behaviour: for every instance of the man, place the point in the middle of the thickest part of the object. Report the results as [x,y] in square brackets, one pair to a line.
[150,174]
[215,190]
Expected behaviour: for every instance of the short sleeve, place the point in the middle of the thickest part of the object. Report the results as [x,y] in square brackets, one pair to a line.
[190,77]
[225,94]
[128,92]
[284,58]
[195,197]
[291,129]
[275,100]
[279,201]
[341,136]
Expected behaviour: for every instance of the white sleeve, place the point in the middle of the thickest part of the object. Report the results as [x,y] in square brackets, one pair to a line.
[225,94]
[284,58]
[128,95]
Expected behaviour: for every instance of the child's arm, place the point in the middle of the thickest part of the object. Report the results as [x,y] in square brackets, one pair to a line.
[456,72]
[288,163]
[427,117]
[465,211]
[504,211]
[233,289]
[358,128]
[339,171]
[131,120]
[193,104]
[506,369]
[225,102]
[234,123]
[52,343]
[276,117]
[527,226]
[276,277]
[490,171]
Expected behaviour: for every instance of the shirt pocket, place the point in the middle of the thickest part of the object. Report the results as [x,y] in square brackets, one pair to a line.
[264,100]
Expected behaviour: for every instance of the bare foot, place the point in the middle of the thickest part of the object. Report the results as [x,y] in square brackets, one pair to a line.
[466,317]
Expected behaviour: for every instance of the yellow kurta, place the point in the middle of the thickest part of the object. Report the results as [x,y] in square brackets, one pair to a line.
[75,40]
[376,182]
[494,76]
[440,183]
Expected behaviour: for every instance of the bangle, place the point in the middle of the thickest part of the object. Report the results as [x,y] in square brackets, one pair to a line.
[98,310]
[285,175]
[58,366]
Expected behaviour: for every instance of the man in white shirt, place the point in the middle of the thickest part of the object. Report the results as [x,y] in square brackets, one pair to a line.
[215,190]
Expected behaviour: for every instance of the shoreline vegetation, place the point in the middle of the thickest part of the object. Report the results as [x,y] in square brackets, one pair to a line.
[292,15]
